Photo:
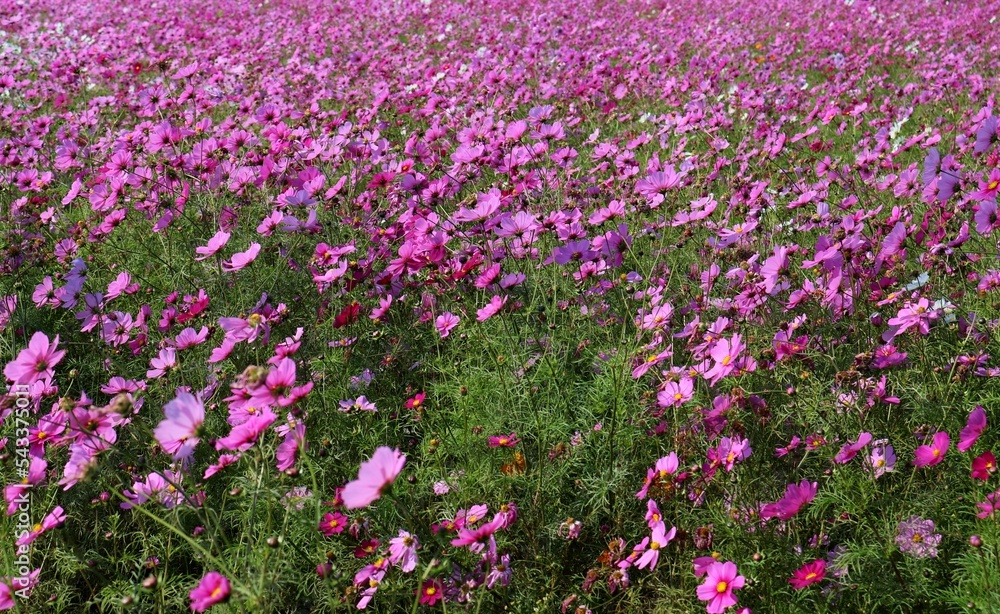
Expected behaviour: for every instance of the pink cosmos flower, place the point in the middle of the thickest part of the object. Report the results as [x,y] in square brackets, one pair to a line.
[478,538]
[360,404]
[659,538]
[882,458]
[664,469]
[503,441]
[244,435]
[988,189]
[808,574]
[165,361]
[974,427]
[445,323]
[36,362]
[288,449]
[216,243]
[850,450]
[720,582]
[178,432]
[724,353]
[21,587]
[52,520]
[224,461]
[796,497]
[374,476]
[675,394]
[990,506]
[403,551]
[653,515]
[241,259]
[491,309]
[213,589]
[279,386]
[930,455]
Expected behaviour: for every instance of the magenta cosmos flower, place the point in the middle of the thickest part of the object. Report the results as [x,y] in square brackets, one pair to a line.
[796,497]
[178,432]
[36,361]
[213,589]
[974,427]
[720,582]
[808,574]
[374,476]
[930,455]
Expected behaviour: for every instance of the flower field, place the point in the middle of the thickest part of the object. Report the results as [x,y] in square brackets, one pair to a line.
[507,306]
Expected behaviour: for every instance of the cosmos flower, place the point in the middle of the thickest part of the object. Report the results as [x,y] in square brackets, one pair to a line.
[796,497]
[213,589]
[721,579]
[916,537]
[35,362]
[808,574]
[241,260]
[375,475]
[974,427]
[931,454]
[178,431]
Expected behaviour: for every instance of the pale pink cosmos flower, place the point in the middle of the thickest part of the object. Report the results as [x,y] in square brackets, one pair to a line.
[166,360]
[36,362]
[659,538]
[403,551]
[374,476]
[178,432]
[216,243]
[241,259]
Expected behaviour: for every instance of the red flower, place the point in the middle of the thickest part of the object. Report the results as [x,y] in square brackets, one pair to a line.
[431,591]
[983,465]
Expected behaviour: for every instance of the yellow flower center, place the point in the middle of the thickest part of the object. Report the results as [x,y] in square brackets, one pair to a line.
[36,528]
[811,575]
[430,591]
[917,538]
[654,545]
[725,361]
[993,185]
[721,587]
[216,592]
